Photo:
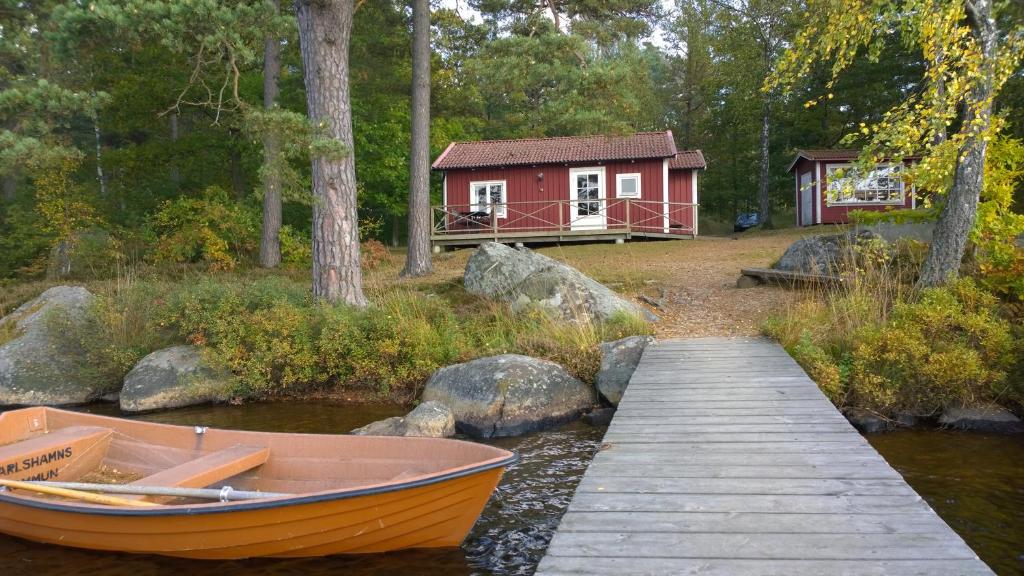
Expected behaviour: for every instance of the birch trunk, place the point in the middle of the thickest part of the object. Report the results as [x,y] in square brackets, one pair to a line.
[325,27]
[949,241]
[417,261]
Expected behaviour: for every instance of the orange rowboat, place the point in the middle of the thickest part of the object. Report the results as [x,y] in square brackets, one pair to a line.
[315,495]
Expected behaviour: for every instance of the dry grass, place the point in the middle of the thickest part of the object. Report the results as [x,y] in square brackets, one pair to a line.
[692,280]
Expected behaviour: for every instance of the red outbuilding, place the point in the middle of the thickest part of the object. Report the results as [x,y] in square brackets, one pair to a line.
[828,186]
[567,188]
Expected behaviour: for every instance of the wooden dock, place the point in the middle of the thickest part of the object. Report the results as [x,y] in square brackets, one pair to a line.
[724,458]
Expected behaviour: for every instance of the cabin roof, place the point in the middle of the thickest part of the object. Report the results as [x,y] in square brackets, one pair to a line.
[564,149]
[832,155]
[688,160]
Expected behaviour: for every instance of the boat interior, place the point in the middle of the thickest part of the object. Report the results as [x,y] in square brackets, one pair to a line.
[49,444]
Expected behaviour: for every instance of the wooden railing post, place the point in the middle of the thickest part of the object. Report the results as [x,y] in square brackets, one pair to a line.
[629,222]
[494,221]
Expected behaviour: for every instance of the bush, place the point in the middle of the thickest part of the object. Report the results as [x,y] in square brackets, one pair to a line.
[914,353]
[279,343]
[947,347]
[212,229]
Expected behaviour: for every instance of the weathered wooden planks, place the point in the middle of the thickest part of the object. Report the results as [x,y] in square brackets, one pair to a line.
[724,458]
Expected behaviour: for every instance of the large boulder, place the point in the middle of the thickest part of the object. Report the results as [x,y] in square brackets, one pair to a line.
[429,419]
[618,362]
[526,280]
[42,360]
[508,395]
[815,254]
[172,378]
[826,254]
[986,418]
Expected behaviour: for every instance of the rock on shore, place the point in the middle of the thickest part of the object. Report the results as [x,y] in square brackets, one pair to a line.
[526,279]
[43,361]
[429,419]
[508,395]
[619,360]
[172,378]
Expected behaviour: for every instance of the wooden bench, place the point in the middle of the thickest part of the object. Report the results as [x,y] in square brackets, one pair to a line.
[752,276]
[64,452]
[209,469]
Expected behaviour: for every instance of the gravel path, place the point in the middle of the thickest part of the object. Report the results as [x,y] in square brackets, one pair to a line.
[693,281]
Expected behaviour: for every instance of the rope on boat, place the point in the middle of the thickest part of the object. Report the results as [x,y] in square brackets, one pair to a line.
[224,494]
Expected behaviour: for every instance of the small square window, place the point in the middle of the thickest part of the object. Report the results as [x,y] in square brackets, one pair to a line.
[628,185]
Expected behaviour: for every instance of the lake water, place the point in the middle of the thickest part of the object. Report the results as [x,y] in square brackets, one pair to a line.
[974,481]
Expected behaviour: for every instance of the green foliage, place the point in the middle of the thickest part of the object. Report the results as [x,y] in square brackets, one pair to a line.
[278,342]
[949,347]
[210,228]
[945,346]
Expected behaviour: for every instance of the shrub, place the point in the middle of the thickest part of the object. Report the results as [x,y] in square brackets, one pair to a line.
[913,353]
[211,228]
[947,347]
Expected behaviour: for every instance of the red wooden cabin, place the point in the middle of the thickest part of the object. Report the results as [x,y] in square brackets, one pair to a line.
[567,188]
[827,188]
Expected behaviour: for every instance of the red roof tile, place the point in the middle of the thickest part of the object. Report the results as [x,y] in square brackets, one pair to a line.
[688,160]
[837,155]
[566,149]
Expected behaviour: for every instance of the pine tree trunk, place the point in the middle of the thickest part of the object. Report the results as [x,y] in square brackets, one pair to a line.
[270,241]
[325,27]
[949,241]
[417,261]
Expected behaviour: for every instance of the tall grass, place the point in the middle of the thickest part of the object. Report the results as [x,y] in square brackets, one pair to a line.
[278,342]
[875,342]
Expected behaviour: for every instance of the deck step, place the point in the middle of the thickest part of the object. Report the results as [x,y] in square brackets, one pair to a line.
[49,455]
[208,469]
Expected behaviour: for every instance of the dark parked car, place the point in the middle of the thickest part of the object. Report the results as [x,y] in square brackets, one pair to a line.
[746,221]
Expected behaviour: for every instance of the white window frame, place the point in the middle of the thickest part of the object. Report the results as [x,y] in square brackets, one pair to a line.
[618,185]
[502,211]
[830,168]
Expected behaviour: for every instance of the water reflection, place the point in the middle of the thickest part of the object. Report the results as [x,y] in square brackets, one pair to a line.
[510,537]
[975,482]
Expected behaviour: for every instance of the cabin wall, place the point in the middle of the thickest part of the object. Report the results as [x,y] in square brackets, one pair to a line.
[532,190]
[681,185]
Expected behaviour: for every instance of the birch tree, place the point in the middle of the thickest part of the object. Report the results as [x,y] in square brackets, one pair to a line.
[949,118]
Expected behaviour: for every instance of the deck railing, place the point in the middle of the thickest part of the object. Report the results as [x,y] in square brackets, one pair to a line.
[552,217]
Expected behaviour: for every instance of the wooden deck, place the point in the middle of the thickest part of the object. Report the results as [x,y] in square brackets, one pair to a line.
[724,458]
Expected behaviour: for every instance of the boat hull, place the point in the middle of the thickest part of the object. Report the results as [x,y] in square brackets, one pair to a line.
[429,515]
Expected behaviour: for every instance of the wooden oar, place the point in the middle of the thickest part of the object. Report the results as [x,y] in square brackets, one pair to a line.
[223,494]
[76,494]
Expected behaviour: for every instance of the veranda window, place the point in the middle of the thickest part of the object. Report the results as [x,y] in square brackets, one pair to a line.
[486,195]
[848,185]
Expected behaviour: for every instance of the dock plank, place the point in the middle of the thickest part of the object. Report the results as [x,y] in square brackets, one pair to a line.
[725,458]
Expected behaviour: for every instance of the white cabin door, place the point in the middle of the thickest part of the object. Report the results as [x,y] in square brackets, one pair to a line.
[806,200]
[588,209]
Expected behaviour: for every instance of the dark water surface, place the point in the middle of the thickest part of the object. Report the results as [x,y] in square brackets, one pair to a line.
[974,481]
[510,537]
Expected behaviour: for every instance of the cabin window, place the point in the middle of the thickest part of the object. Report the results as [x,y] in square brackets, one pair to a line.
[627,185]
[849,185]
[486,195]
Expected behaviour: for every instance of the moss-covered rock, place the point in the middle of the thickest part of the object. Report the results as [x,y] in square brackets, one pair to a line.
[41,361]
[172,378]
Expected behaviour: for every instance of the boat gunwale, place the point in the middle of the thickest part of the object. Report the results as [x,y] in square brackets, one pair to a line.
[510,457]
[7,496]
